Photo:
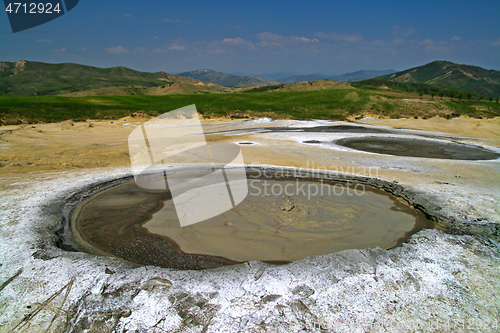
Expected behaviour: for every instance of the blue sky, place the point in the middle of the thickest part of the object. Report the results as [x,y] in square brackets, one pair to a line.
[330,37]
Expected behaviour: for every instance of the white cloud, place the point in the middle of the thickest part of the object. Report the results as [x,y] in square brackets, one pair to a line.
[398,41]
[171,21]
[304,39]
[455,38]
[231,45]
[496,43]
[427,42]
[176,47]
[270,44]
[430,45]
[126,15]
[60,51]
[234,41]
[116,49]
[158,50]
[268,36]
[288,44]
[44,41]
[342,37]
[397,30]
[83,49]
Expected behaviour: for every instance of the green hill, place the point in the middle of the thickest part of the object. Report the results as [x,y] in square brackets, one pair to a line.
[448,74]
[410,87]
[30,78]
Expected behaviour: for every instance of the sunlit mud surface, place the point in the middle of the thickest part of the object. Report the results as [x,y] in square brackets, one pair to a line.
[281,220]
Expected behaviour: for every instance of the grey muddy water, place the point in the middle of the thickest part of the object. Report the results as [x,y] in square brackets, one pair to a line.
[419,148]
[281,220]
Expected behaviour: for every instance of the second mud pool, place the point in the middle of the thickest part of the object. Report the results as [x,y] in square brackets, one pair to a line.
[282,219]
[419,148]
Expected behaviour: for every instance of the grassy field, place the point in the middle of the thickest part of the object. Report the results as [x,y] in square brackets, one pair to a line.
[337,104]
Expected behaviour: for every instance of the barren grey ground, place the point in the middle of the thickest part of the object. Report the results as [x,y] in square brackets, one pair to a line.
[436,281]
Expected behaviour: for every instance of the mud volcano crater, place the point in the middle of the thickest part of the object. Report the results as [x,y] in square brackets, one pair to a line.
[287,215]
[418,148]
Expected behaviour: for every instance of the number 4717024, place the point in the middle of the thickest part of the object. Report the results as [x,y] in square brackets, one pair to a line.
[32,8]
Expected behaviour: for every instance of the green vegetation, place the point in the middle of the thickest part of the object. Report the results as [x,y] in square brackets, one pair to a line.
[34,85]
[265,88]
[460,77]
[29,78]
[478,109]
[417,88]
[318,104]
[326,104]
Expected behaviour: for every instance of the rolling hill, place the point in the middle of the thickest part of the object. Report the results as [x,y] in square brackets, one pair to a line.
[449,74]
[30,78]
[228,80]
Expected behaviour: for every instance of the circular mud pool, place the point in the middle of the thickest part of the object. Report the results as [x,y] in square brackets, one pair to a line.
[418,148]
[282,219]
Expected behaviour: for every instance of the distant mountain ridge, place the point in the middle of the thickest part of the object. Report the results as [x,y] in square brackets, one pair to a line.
[449,74]
[301,78]
[347,77]
[361,75]
[31,78]
[270,76]
[228,80]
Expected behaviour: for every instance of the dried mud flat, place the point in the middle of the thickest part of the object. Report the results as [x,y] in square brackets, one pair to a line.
[437,280]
